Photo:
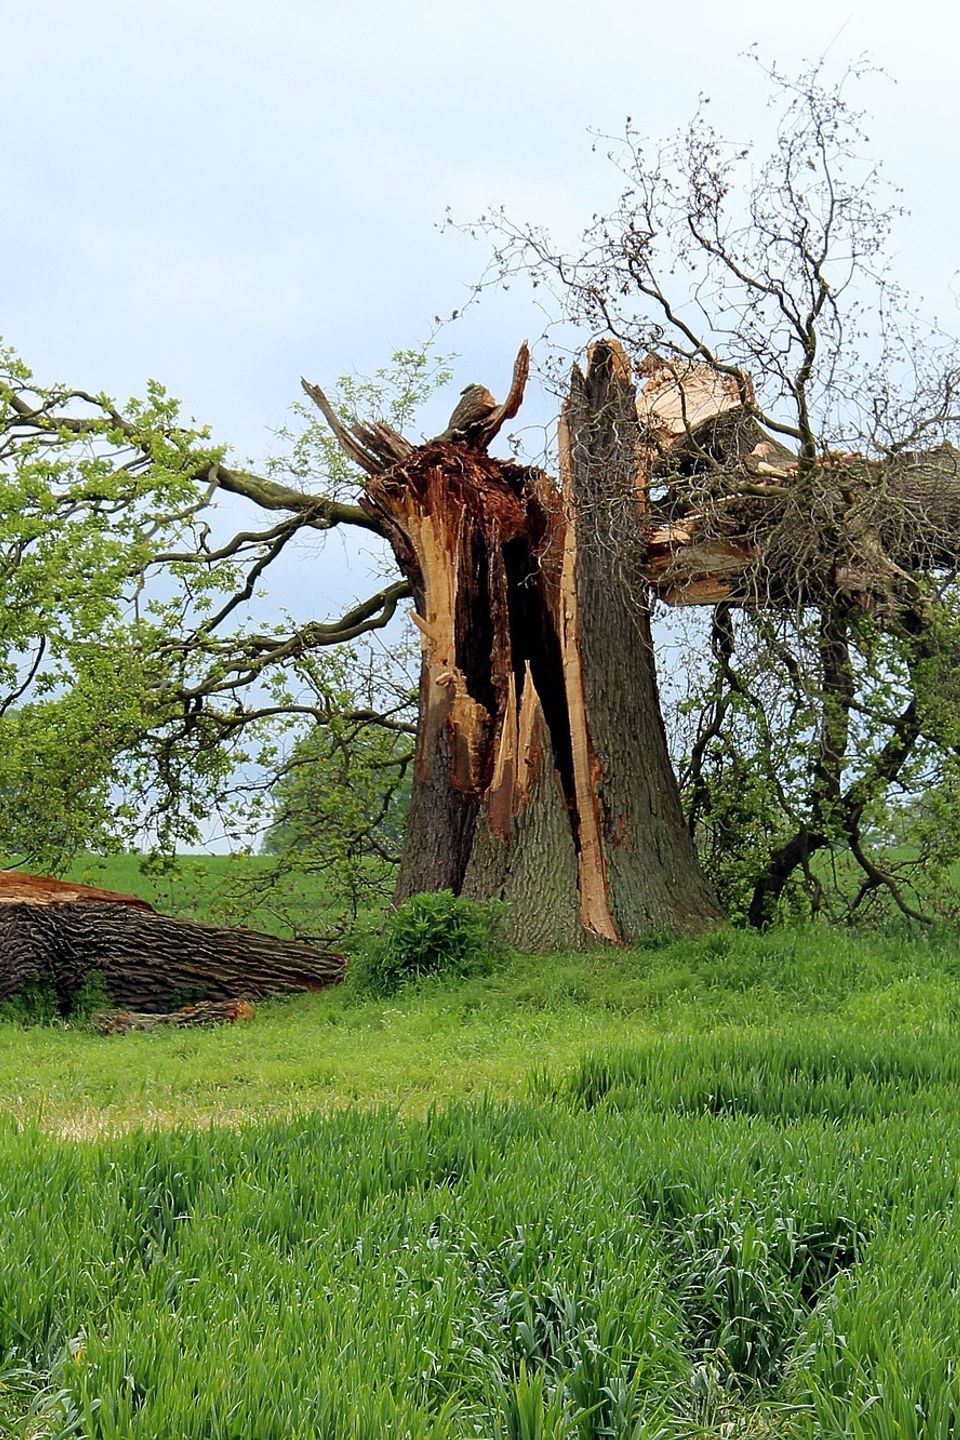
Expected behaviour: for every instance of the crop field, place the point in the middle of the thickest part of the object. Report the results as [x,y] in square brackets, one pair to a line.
[705,1189]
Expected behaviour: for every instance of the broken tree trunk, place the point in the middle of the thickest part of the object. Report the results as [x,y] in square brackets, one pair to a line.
[542,776]
[62,934]
[627,795]
[738,517]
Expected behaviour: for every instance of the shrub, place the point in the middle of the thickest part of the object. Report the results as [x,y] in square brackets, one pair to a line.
[433,934]
[35,1004]
[90,999]
[38,1003]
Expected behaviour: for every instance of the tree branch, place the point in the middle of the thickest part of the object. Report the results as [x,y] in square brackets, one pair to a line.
[255,653]
[495,421]
[374,447]
[324,512]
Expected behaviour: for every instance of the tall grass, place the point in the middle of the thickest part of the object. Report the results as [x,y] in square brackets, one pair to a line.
[495,1269]
[440,1041]
[716,1195]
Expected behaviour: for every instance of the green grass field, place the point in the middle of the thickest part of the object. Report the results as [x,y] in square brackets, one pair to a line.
[705,1189]
[221,889]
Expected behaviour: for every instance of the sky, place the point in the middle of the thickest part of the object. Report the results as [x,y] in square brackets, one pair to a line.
[225,196]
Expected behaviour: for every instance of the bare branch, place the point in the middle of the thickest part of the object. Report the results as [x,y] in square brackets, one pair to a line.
[242,660]
[374,446]
[271,495]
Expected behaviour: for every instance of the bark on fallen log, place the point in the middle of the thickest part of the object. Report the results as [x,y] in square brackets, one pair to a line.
[204,1013]
[61,934]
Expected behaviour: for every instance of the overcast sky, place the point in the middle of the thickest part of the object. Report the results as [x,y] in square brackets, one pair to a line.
[225,195]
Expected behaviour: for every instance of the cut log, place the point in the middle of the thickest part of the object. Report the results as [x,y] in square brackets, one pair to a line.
[204,1013]
[61,934]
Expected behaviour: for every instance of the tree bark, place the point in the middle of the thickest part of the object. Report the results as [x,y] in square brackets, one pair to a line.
[542,776]
[149,962]
[628,785]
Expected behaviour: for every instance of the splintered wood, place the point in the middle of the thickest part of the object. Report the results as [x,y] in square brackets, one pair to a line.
[491,616]
[677,400]
[678,397]
[541,774]
[436,537]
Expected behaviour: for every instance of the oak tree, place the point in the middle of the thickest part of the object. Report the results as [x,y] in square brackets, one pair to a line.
[732,444]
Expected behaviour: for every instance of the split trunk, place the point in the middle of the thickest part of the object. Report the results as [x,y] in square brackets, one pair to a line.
[542,773]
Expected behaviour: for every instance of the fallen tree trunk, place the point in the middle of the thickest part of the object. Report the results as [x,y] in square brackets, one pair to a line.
[63,934]
[736,516]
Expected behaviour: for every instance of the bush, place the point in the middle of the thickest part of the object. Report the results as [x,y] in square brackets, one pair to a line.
[39,1004]
[35,1004]
[92,997]
[433,934]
